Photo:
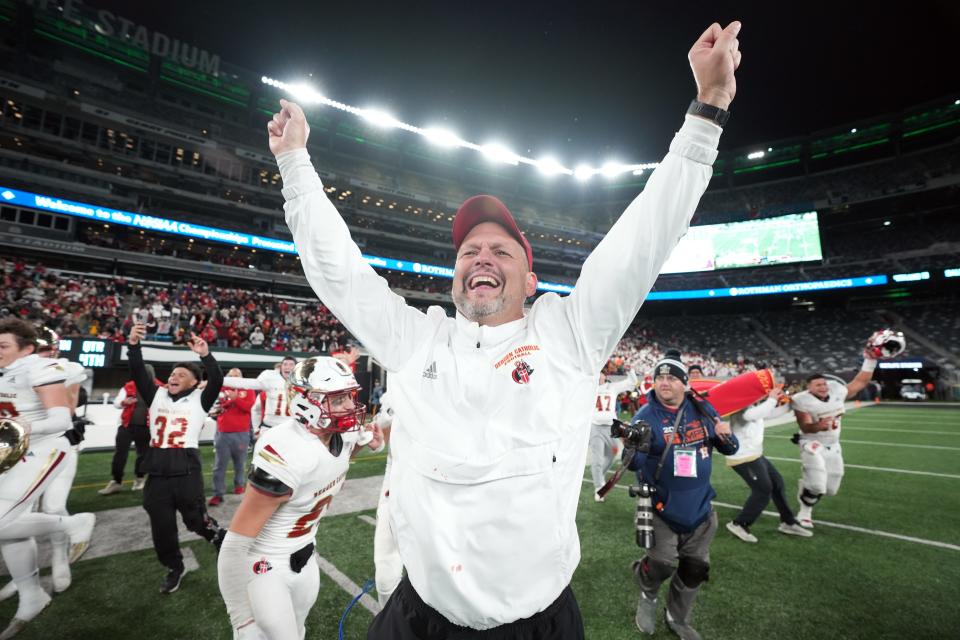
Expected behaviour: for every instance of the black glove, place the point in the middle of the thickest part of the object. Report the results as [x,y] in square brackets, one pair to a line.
[795,438]
[76,434]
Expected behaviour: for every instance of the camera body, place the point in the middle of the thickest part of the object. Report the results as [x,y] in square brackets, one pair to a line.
[644,518]
[634,434]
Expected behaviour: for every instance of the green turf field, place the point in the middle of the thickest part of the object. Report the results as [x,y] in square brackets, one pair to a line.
[841,583]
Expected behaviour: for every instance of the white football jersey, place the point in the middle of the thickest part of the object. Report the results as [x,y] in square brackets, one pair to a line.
[302,462]
[274,397]
[606,409]
[832,407]
[76,374]
[176,424]
[18,400]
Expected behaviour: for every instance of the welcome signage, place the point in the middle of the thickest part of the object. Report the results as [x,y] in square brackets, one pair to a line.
[113,26]
[153,223]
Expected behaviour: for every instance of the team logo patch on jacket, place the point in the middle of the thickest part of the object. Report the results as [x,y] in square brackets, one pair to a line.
[261,566]
[521,372]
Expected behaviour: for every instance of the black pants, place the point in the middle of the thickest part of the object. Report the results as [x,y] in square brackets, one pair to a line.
[139,435]
[765,482]
[163,497]
[407,617]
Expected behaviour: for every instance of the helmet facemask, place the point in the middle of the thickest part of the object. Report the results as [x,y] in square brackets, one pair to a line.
[322,396]
[336,412]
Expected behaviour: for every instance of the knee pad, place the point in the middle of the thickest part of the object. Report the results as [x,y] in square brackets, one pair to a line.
[809,498]
[693,572]
[652,571]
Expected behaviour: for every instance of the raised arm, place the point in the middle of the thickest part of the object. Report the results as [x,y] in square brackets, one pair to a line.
[214,375]
[146,386]
[862,378]
[331,260]
[617,276]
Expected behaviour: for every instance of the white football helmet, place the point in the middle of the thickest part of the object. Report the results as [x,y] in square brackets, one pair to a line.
[322,396]
[48,342]
[886,344]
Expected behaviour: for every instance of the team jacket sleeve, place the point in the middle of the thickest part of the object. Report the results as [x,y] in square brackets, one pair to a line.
[242,383]
[118,401]
[760,411]
[625,385]
[214,382]
[621,270]
[380,319]
[727,446]
[146,387]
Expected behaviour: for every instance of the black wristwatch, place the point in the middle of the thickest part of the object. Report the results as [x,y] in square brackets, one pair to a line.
[710,112]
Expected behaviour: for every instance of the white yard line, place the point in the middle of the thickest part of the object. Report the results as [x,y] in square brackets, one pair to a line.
[885,444]
[904,430]
[370,521]
[886,469]
[347,584]
[848,527]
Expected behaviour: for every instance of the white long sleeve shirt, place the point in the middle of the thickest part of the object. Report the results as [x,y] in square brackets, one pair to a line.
[489,456]
[748,426]
[606,407]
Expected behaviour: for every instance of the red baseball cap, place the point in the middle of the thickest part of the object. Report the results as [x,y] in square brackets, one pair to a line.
[487,209]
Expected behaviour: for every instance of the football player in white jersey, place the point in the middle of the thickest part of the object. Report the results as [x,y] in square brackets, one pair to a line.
[54,499]
[603,446]
[268,574]
[33,396]
[386,554]
[272,404]
[819,411]
[173,464]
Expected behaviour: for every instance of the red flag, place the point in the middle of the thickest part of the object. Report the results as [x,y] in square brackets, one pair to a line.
[737,393]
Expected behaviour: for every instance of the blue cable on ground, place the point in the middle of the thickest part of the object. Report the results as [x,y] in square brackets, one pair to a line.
[366,587]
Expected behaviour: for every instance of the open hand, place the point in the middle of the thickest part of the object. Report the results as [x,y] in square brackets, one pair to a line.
[714,58]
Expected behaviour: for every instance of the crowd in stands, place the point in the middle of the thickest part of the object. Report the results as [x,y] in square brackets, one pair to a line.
[80,305]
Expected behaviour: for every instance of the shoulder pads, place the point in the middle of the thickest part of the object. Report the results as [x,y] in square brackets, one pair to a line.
[267,483]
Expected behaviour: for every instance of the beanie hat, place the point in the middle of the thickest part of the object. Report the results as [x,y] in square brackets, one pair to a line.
[670,364]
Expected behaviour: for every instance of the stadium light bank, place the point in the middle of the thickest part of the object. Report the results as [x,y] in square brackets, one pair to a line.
[492,151]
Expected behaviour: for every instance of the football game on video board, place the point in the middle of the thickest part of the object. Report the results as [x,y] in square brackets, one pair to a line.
[751,243]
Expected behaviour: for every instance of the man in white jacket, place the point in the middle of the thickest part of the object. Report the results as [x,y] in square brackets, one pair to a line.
[496,403]
[757,471]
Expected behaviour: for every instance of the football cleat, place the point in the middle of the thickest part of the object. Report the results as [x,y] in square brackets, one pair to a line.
[80,532]
[24,616]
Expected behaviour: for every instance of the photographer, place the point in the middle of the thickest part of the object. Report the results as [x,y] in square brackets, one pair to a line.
[670,449]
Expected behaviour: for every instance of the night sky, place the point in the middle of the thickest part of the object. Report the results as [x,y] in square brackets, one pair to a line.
[584,81]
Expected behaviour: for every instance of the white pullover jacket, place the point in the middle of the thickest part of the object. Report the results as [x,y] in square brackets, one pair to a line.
[490,439]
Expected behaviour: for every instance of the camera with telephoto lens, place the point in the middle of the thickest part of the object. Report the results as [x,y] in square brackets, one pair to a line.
[632,433]
[644,519]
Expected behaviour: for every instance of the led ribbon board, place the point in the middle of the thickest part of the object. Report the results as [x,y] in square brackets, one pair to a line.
[165,225]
